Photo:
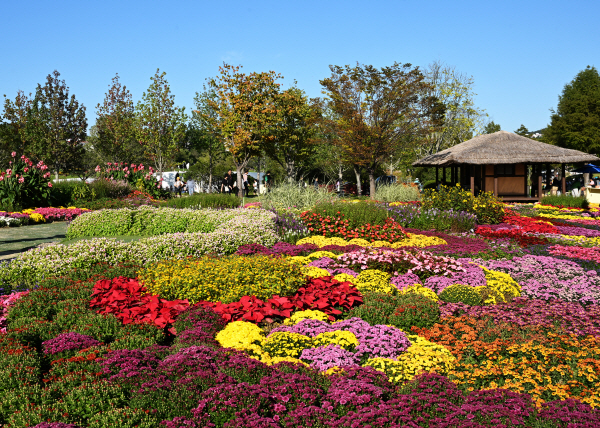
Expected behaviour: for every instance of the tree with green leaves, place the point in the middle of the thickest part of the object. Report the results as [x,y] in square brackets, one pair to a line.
[575,124]
[523,131]
[160,125]
[57,125]
[460,119]
[16,125]
[115,130]
[491,127]
[379,111]
[206,133]
[246,112]
[294,132]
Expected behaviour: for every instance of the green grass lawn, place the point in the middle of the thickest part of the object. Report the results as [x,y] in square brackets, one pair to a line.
[14,240]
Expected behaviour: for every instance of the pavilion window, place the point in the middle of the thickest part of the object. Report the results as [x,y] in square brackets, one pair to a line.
[504,170]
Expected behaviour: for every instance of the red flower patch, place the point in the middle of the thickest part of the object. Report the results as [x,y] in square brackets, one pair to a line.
[126,299]
[325,294]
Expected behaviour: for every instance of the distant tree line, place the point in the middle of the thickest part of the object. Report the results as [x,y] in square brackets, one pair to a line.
[369,122]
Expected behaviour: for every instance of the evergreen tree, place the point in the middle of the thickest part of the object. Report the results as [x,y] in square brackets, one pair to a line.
[576,122]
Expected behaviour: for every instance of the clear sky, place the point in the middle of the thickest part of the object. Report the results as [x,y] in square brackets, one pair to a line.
[520,53]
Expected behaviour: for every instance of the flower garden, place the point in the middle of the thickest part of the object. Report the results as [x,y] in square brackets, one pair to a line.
[343,315]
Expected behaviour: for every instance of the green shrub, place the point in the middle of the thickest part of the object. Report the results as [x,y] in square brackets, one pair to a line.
[225,279]
[460,293]
[62,192]
[110,188]
[488,208]
[147,221]
[204,200]
[402,311]
[295,195]
[397,193]
[565,201]
[357,214]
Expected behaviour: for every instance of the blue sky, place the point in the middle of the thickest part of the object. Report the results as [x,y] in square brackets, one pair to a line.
[520,53]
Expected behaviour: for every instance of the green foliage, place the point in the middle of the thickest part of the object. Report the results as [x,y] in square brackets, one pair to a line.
[357,214]
[565,201]
[460,293]
[160,125]
[114,133]
[148,221]
[487,208]
[403,311]
[225,279]
[204,200]
[60,125]
[63,192]
[397,193]
[295,195]
[24,185]
[491,127]
[576,122]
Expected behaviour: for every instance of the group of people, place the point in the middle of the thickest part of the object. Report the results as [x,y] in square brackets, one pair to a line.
[229,183]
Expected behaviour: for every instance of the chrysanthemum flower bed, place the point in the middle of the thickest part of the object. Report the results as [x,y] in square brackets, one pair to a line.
[425,330]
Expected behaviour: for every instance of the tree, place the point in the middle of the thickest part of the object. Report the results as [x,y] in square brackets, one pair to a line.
[160,125]
[14,133]
[58,125]
[294,132]
[379,111]
[491,127]
[576,122]
[523,131]
[116,126]
[460,119]
[203,125]
[246,112]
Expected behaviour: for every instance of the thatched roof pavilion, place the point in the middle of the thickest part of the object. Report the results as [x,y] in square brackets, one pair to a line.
[499,162]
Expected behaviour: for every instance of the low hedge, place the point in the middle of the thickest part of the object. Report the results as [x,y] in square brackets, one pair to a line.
[233,228]
[151,221]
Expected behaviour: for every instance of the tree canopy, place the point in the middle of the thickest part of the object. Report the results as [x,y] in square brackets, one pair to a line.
[379,111]
[576,122]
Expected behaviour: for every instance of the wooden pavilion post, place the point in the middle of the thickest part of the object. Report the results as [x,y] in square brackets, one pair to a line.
[472,174]
[563,179]
[495,182]
[539,180]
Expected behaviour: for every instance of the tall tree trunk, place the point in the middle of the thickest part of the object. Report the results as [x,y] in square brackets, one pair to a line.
[238,169]
[289,169]
[372,183]
[358,185]
[259,163]
[340,172]
[210,174]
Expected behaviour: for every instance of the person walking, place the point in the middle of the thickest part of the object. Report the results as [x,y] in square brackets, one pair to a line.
[230,182]
[245,182]
[225,184]
[178,185]
[316,183]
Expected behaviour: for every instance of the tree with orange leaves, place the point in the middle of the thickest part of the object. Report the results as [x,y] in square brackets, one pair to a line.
[379,111]
[246,112]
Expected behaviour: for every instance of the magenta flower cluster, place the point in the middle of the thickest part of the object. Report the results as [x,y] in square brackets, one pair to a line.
[326,357]
[68,342]
[547,278]
[374,340]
